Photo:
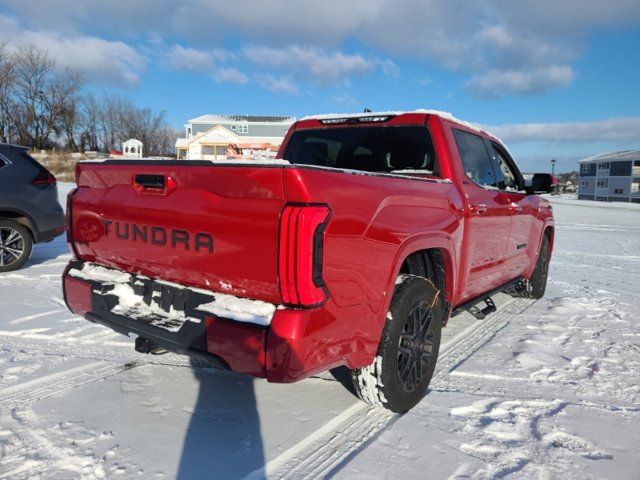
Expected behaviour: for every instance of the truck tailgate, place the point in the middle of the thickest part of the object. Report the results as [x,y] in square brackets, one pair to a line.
[202,225]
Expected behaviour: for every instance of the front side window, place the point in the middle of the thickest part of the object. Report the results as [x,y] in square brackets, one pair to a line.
[476,160]
[399,149]
[505,170]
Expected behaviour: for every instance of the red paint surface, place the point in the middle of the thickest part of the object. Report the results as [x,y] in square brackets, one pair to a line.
[375,223]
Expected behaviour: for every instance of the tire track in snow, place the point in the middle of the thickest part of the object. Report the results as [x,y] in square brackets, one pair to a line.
[325,449]
[28,392]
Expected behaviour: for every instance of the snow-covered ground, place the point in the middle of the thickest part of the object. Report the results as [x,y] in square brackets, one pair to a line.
[549,389]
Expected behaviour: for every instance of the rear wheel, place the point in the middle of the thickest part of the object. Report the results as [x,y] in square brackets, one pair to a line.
[400,374]
[538,280]
[15,245]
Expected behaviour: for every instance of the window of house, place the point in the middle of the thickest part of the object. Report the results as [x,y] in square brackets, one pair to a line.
[584,168]
[208,150]
[635,186]
[243,128]
[617,190]
[585,184]
[234,127]
[603,166]
[221,150]
[475,158]
[602,183]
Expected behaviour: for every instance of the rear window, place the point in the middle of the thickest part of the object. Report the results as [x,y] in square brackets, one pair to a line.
[370,149]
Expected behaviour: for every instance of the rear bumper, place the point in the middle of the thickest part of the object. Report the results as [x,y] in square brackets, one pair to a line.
[292,347]
[50,225]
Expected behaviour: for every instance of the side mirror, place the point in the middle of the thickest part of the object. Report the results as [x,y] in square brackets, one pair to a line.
[540,183]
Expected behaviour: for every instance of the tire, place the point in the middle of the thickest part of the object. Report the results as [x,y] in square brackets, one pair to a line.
[538,280]
[16,244]
[400,374]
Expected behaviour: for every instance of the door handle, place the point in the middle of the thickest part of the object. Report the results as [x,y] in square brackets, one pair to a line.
[154,184]
[478,208]
[515,208]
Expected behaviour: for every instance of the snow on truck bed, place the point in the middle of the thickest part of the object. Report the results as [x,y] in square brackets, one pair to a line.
[547,389]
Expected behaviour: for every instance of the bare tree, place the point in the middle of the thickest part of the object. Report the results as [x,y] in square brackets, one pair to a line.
[44,101]
[63,98]
[7,79]
[33,67]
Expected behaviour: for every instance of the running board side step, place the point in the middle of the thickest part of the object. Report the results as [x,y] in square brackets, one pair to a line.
[481,313]
[516,288]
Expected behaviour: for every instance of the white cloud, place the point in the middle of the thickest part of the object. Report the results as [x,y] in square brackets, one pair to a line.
[311,63]
[229,75]
[538,41]
[190,59]
[279,85]
[102,61]
[623,129]
[204,61]
[495,83]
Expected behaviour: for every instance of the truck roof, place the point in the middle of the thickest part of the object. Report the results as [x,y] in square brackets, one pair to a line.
[439,113]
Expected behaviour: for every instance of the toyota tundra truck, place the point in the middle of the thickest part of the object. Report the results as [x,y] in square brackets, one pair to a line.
[352,248]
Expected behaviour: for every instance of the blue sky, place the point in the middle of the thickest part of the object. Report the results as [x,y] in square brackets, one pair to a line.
[553,79]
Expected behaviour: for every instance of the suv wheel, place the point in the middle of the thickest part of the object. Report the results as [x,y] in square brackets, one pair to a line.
[400,374]
[15,245]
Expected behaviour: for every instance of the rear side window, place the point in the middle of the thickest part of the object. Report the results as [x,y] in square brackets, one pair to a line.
[369,149]
[476,160]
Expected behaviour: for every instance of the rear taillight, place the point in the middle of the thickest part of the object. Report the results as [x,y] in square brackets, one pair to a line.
[44,177]
[300,256]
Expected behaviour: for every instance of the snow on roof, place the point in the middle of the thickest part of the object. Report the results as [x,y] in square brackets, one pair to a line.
[439,113]
[619,156]
[209,118]
[132,141]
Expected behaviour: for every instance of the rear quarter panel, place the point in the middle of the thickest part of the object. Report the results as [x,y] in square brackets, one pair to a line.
[377,221]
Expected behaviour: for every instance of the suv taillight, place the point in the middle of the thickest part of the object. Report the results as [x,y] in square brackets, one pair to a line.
[45,177]
[300,254]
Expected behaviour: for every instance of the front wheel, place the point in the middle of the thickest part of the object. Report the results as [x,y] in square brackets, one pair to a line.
[15,245]
[402,369]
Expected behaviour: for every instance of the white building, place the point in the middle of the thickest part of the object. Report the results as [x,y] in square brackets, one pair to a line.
[217,137]
[132,148]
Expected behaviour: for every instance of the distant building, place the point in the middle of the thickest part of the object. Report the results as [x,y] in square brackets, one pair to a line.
[611,177]
[216,137]
[132,148]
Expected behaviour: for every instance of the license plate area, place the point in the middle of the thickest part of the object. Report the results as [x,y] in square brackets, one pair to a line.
[154,302]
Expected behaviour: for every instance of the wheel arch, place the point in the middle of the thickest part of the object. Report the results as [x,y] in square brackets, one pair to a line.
[440,251]
[22,218]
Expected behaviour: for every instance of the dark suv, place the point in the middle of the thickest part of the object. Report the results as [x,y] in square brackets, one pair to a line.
[29,208]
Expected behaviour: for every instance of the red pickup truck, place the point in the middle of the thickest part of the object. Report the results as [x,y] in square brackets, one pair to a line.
[353,248]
